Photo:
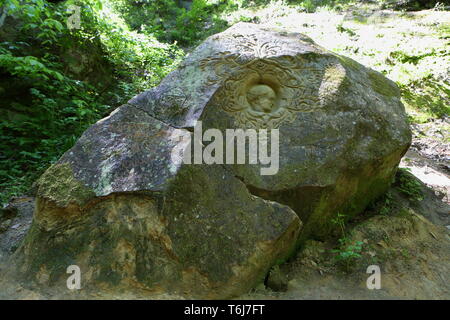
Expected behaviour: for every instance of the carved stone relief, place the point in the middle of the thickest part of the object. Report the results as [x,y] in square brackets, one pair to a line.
[265,91]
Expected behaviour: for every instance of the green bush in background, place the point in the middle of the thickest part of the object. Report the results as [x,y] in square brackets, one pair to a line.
[57,81]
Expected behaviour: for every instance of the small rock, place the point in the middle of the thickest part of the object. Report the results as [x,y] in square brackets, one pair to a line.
[277,280]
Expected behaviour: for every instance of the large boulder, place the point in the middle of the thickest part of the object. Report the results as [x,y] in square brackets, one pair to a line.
[125,205]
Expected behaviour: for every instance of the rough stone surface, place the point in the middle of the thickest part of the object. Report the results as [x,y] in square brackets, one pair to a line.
[15,220]
[277,280]
[120,208]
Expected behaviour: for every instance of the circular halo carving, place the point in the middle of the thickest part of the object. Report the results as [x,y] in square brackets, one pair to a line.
[262,95]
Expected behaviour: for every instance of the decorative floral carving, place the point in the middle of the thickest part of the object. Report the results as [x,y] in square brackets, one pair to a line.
[291,84]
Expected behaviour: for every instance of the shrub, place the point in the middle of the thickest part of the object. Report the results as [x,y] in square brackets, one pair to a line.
[57,81]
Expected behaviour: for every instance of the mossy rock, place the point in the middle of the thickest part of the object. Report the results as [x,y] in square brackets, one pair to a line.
[123,206]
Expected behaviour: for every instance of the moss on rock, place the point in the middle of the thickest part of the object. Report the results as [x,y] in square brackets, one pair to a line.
[59,185]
